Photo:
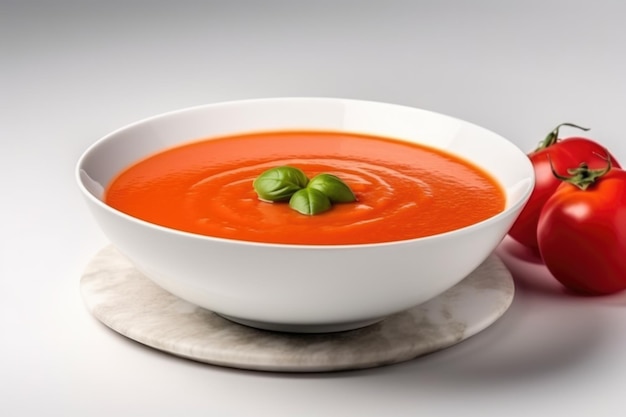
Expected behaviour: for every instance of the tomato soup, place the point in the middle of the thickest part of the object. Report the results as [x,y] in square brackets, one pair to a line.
[403,190]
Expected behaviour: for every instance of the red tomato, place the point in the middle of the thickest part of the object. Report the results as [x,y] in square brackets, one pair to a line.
[563,155]
[582,235]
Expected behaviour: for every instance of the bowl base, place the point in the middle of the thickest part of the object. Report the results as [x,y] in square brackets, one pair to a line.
[303,328]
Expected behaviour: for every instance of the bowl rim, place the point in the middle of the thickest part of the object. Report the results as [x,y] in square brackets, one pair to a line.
[521,200]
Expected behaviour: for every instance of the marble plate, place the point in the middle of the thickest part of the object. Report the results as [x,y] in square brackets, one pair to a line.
[129,303]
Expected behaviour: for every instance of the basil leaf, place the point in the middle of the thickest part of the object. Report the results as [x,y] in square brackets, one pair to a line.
[280,183]
[310,201]
[331,185]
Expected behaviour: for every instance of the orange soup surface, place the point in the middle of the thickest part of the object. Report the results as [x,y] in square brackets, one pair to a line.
[403,190]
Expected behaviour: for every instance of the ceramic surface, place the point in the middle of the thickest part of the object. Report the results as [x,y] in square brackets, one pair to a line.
[128,302]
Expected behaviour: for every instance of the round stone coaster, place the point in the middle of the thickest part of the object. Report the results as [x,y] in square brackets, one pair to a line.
[129,303]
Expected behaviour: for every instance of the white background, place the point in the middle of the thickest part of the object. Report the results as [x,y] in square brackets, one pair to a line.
[72,71]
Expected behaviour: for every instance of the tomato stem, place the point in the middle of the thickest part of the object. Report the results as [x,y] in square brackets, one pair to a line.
[582,176]
[553,136]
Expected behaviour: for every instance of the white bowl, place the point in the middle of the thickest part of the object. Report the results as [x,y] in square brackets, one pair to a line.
[366,283]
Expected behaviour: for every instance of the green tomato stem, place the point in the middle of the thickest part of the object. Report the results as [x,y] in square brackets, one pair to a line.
[553,136]
[582,176]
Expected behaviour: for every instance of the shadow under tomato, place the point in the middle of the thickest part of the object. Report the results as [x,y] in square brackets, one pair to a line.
[515,249]
[528,270]
[531,275]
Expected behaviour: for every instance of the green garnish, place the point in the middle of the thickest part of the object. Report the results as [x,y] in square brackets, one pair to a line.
[279,184]
[286,183]
[310,201]
[331,185]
